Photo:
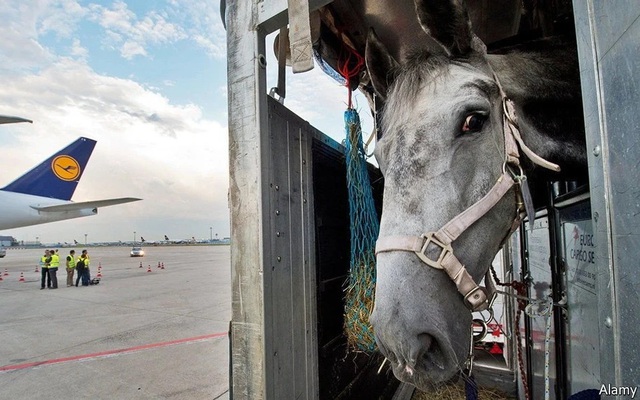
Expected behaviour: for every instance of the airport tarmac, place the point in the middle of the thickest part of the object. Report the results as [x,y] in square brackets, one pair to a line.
[137,335]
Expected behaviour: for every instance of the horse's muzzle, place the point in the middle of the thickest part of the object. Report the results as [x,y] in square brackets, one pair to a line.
[421,361]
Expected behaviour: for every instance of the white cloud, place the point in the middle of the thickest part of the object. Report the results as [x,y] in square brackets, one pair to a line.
[77,50]
[132,35]
[60,17]
[20,48]
[203,24]
[131,49]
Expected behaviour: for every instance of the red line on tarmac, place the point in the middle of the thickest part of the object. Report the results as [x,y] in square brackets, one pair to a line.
[16,367]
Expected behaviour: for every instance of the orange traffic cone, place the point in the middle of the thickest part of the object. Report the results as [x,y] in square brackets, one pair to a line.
[99,273]
[1,278]
[149,268]
[37,270]
[140,265]
[162,267]
[158,264]
[6,273]
[21,277]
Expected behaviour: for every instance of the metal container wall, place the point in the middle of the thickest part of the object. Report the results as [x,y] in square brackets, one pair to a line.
[608,37]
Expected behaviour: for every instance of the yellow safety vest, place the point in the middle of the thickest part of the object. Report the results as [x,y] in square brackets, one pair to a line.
[84,260]
[43,261]
[55,261]
[72,262]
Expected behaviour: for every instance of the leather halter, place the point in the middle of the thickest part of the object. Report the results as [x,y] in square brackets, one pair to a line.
[476,298]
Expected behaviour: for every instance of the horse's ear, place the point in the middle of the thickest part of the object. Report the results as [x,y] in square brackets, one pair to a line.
[447,21]
[381,65]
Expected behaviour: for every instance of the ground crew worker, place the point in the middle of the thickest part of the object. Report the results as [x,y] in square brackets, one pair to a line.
[71,267]
[85,274]
[45,270]
[53,268]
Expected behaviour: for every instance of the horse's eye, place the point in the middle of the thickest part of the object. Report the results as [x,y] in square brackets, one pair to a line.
[473,123]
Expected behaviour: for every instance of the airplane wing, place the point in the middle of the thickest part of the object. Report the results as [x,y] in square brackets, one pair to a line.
[7,119]
[84,205]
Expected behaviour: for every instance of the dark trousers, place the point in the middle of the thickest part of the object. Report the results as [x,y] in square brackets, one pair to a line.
[86,277]
[53,274]
[45,275]
[80,272]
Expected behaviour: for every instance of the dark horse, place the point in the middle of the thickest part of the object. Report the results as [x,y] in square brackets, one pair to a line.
[442,150]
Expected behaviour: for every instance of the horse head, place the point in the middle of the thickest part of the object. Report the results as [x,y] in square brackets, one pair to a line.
[442,150]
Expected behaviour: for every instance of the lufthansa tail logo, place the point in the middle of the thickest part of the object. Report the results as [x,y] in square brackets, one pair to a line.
[65,168]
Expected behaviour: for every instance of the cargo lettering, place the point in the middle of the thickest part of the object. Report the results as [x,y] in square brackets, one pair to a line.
[583,255]
[586,240]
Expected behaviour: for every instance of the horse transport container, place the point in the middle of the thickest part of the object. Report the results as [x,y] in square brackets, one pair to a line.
[290,233]
[584,246]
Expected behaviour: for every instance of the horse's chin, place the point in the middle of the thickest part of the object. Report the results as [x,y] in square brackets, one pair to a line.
[426,380]
[432,369]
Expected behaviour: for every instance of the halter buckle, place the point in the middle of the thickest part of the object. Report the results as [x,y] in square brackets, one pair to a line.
[444,249]
[476,299]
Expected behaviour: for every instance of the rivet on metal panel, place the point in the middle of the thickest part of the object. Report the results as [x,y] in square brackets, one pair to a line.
[279,258]
[277,212]
[596,216]
[304,162]
[596,151]
[608,322]
[304,200]
[262,60]
[277,187]
[278,234]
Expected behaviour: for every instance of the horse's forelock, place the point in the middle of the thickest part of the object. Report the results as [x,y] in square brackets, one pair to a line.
[418,68]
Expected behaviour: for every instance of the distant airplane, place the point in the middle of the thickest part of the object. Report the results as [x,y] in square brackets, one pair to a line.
[142,239]
[166,238]
[44,194]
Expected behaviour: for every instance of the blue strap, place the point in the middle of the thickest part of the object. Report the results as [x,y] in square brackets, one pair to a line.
[589,394]
[470,387]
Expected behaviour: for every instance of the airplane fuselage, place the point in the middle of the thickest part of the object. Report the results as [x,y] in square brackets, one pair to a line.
[18,210]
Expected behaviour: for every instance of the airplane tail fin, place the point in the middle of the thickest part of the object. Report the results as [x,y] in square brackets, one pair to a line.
[58,176]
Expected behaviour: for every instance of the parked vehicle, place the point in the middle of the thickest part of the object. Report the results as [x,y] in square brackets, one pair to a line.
[137,252]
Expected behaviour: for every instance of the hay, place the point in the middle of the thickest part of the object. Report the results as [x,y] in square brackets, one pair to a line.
[455,391]
[358,306]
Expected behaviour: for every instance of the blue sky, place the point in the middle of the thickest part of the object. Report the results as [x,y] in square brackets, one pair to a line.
[147,80]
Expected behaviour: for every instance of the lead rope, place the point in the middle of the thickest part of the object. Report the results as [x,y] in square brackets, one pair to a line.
[470,385]
[545,309]
[521,289]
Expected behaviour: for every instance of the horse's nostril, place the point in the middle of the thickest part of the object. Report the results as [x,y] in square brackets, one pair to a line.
[421,348]
[425,340]
[430,352]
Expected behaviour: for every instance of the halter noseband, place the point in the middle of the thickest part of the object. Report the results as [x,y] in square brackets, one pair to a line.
[476,298]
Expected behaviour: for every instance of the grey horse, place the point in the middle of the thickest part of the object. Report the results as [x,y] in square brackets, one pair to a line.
[442,149]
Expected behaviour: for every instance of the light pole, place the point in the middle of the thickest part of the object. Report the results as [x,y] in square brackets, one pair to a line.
[134,237]
[211,234]
[85,239]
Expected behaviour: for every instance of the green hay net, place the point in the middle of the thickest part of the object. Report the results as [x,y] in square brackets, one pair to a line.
[364,232]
